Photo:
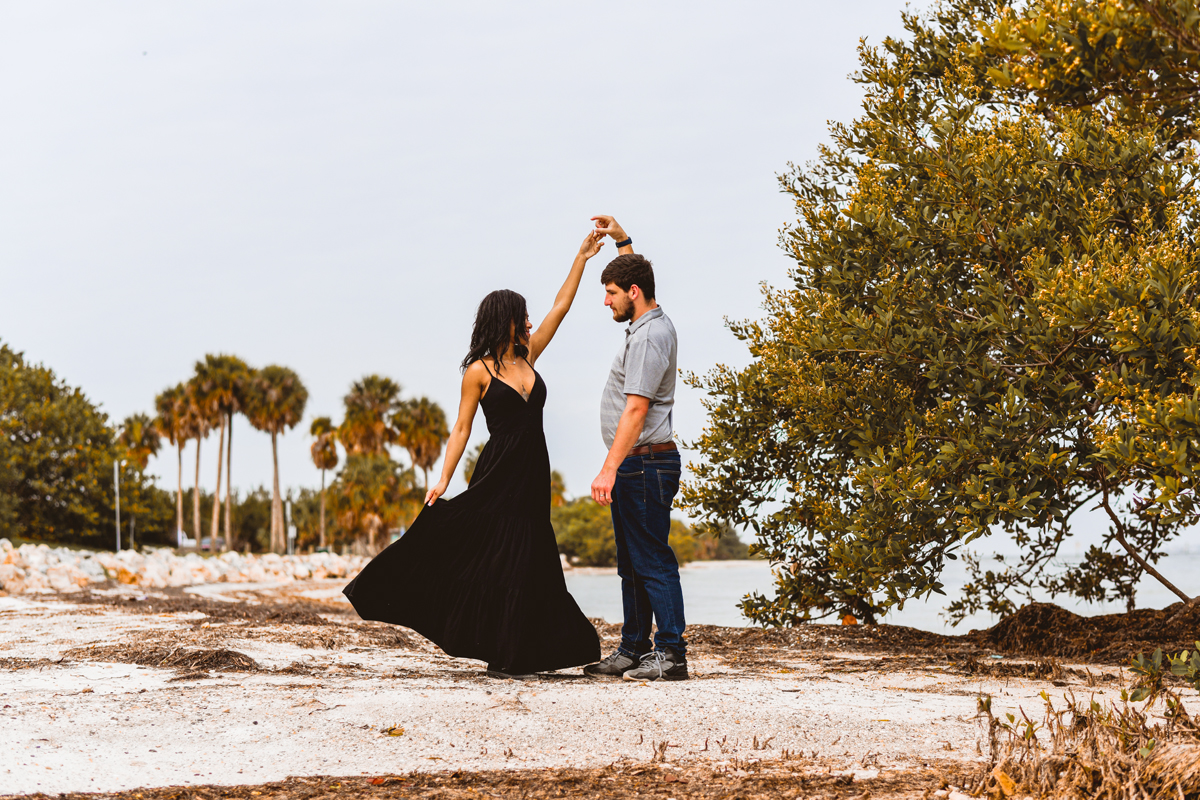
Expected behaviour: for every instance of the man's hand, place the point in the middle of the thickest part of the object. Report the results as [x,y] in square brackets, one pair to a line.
[603,485]
[607,226]
[591,244]
[436,492]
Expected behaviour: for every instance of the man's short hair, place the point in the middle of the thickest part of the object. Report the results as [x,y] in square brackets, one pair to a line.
[629,270]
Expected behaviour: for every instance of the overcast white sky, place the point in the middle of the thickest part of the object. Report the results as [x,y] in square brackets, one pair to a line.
[334,186]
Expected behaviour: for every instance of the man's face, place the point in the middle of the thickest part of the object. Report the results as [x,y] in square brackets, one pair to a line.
[619,301]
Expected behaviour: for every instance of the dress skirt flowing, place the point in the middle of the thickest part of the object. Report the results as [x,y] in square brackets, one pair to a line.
[479,574]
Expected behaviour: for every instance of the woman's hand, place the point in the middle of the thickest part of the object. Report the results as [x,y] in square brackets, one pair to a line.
[436,492]
[591,244]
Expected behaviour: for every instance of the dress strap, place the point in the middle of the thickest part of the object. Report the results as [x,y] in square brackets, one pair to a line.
[527,362]
[485,366]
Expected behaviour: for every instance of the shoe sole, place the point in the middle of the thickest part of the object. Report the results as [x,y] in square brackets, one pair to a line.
[602,677]
[682,677]
[491,673]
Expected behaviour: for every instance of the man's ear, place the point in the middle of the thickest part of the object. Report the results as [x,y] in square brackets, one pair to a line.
[635,292]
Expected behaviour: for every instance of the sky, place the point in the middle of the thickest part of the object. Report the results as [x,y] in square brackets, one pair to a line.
[333,187]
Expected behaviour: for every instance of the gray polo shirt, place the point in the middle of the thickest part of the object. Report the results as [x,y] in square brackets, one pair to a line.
[645,366]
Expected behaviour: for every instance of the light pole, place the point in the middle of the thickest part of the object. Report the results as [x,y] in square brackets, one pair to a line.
[117,493]
[291,531]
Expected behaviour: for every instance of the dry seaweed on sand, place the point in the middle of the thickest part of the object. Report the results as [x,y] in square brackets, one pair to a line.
[176,601]
[1037,631]
[1044,629]
[189,659]
[25,663]
[748,781]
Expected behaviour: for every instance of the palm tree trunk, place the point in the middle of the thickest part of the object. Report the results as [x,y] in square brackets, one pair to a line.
[322,537]
[196,534]
[229,488]
[179,493]
[278,544]
[216,511]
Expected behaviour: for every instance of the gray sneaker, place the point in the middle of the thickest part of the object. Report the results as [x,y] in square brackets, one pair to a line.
[614,666]
[663,665]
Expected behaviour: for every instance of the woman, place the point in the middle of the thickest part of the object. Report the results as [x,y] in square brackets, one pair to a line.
[479,575]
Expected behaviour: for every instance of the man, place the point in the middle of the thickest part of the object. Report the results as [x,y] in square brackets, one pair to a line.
[641,474]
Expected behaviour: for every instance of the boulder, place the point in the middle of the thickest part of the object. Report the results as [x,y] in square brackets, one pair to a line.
[66,578]
[12,578]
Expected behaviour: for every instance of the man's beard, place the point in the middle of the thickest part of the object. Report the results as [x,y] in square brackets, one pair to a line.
[623,314]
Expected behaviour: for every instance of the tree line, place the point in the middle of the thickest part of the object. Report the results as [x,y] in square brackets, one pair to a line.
[371,494]
[58,450]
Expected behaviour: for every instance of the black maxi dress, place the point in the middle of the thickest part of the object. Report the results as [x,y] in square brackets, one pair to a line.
[479,574]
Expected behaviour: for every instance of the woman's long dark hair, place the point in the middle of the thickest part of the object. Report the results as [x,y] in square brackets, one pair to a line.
[500,314]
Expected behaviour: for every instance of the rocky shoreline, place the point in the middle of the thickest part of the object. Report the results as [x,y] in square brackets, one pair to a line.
[40,568]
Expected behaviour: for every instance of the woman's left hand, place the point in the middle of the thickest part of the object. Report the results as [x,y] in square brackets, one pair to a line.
[591,244]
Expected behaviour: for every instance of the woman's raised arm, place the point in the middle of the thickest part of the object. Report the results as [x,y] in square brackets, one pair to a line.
[474,381]
[566,295]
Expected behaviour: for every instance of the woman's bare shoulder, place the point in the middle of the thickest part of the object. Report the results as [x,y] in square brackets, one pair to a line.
[478,373]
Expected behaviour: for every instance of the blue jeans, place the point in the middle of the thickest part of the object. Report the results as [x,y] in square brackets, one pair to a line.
[641,513]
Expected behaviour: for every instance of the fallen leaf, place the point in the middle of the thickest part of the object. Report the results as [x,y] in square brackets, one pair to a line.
[1007,785]
[373,782]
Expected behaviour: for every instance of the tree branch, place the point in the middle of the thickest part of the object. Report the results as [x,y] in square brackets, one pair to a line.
[1119,535]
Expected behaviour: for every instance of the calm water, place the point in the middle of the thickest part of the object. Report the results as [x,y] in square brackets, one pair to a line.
[712,590]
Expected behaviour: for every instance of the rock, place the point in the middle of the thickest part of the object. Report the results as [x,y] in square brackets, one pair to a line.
[66,578]
[36,582]
[12,578]
[40,568]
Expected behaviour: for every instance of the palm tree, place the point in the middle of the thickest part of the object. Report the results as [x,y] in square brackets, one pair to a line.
[171,423]
[325,456]
[243,374]
[274,401]
[139,439]
[420,426]
[371,494]
[369,407]
[196,423]
[221,381]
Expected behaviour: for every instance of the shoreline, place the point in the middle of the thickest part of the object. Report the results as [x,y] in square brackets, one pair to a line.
[690,565]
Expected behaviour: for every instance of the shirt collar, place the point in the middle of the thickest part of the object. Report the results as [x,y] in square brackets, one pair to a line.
[653,313]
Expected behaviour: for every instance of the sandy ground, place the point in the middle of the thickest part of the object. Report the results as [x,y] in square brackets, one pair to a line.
[330,695]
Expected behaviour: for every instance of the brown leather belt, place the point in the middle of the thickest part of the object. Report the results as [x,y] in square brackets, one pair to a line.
[647,449]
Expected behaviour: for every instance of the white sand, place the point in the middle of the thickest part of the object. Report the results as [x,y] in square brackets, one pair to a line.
[88,726]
